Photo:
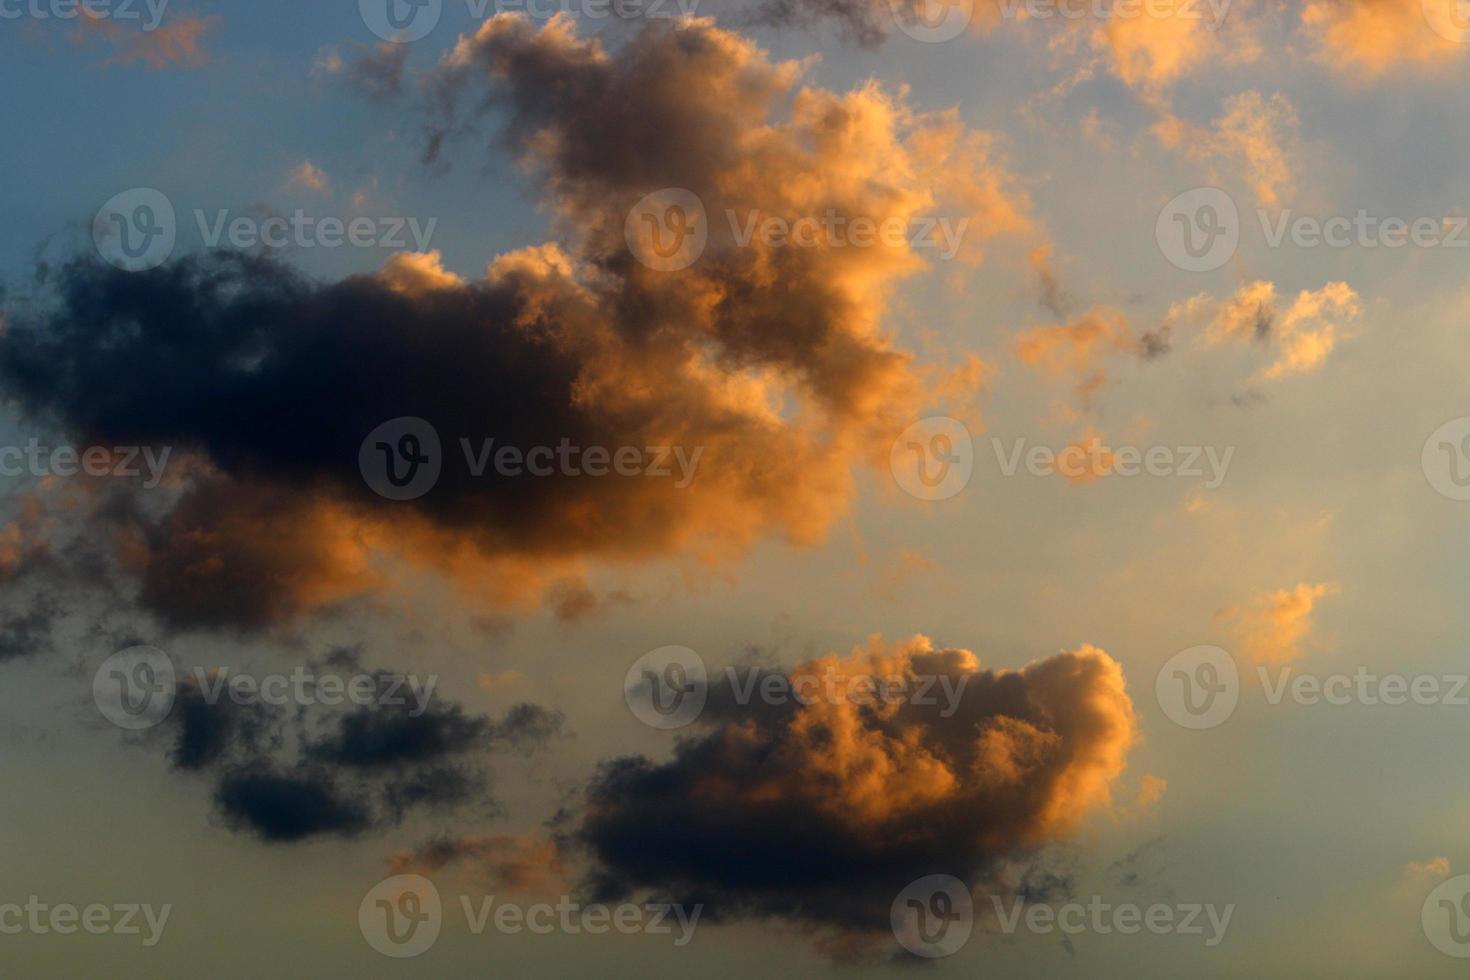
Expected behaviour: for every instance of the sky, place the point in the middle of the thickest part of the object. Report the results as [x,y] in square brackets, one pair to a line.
[846,487]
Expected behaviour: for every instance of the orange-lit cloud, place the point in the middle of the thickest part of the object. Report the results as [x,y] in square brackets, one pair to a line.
[1271,629]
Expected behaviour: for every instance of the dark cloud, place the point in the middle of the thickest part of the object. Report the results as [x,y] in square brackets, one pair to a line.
[266,384]
[285,807]
[287,774]
[822,813]
[28,632]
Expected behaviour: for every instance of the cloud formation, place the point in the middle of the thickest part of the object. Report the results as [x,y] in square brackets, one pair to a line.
[772,361]
[820,813]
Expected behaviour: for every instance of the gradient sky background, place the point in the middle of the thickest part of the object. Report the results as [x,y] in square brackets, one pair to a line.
[1308,819]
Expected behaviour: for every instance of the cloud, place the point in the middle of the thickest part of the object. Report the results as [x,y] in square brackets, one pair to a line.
[773,362]
[1363,39]
[517,864]
[820,813]
[310,177]
[287,775]
[1271,629]
[1257,138]
[177,42]
[1300,334]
